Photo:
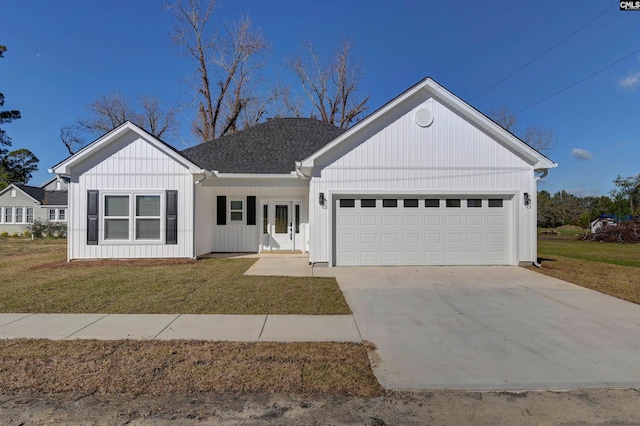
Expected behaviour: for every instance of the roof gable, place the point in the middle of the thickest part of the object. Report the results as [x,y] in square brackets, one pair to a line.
[64,167]
[429,88]
[272,147]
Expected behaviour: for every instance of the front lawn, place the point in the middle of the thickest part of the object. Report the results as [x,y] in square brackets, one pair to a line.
[185,367]
[36,278]
[609,268]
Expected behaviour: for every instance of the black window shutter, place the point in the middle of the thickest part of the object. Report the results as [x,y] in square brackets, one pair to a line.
[172,217]
[92,217]
[251,210]
[222,210]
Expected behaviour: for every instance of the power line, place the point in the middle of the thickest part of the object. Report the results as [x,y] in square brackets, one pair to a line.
[578,82]
[543,53]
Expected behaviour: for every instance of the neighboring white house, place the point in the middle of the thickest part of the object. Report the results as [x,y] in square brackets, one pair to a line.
[425,180]
[20,205]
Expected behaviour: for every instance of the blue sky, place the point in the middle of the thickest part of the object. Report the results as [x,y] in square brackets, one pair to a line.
[64,54]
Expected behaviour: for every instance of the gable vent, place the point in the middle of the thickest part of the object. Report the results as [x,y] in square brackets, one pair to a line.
[424,117]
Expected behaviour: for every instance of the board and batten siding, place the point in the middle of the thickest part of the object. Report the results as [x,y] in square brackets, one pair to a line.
[129,163]
[394,155]
[240,237]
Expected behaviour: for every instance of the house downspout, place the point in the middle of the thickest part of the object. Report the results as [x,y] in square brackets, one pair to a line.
[544,173]
[196,182]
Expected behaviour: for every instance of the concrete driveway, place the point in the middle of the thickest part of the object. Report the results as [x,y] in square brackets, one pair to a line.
[491,328]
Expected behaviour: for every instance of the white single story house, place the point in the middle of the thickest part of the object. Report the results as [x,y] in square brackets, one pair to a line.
[424,180]
[20,205]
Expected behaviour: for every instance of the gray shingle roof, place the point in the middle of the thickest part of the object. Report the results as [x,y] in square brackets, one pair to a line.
[271,148]
[55,198]
[52,198]
[32,191]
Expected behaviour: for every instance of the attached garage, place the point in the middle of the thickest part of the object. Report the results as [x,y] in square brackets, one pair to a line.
[423,229]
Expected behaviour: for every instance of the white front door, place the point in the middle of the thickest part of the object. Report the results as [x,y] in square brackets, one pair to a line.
[280,225]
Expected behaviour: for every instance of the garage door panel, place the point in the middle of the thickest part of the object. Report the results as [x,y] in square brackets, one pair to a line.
[390,238]
[475,256]
[411,238]
[411,220]
[495,220]
[368,238]
[432,238]
[495,238]
[455,257]
[347,239]
[453,238]
[433,257]
[411,256]
[369,256]
[390,257]
[451,220]
[347,257]
[475,220]
[475,238]
[461,232]
[390,220]
[432,220]
[347,220]
[368,220]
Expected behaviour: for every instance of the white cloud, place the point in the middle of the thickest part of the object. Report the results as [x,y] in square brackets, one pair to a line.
[630,82]
[580,154]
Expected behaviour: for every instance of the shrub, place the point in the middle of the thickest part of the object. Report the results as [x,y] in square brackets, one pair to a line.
[4,234]
[26,233]
[43,228]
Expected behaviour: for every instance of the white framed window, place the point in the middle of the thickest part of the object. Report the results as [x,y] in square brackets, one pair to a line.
[51,214]
[148,217]
[116,217]
[19,215]
[62,214]
[132,217]
[8,215]
[236,211]
[29,214]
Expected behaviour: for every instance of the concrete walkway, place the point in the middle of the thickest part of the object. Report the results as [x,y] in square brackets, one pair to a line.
[237,328]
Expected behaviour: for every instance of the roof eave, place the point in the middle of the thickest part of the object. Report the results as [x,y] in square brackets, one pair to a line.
[290,176]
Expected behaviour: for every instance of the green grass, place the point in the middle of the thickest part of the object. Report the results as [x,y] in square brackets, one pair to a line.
[609,268]
[36,278]
[612,253]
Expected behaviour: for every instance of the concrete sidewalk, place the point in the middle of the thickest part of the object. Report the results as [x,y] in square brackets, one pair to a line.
[235,328]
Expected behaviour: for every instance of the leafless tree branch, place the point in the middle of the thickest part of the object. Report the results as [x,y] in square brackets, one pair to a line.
[332,85]
[539,138]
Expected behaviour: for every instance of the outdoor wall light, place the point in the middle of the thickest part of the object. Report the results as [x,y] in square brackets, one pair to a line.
[322,199]
[527,200]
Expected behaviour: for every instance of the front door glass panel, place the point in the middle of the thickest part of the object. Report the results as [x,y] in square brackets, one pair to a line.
[282,219]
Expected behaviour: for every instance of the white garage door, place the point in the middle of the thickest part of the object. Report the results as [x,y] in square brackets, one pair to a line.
[426,230]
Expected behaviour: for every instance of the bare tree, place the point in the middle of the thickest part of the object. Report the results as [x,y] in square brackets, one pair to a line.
[331,85]
[539,138]
[278,102]
[108,112]
[226,67]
